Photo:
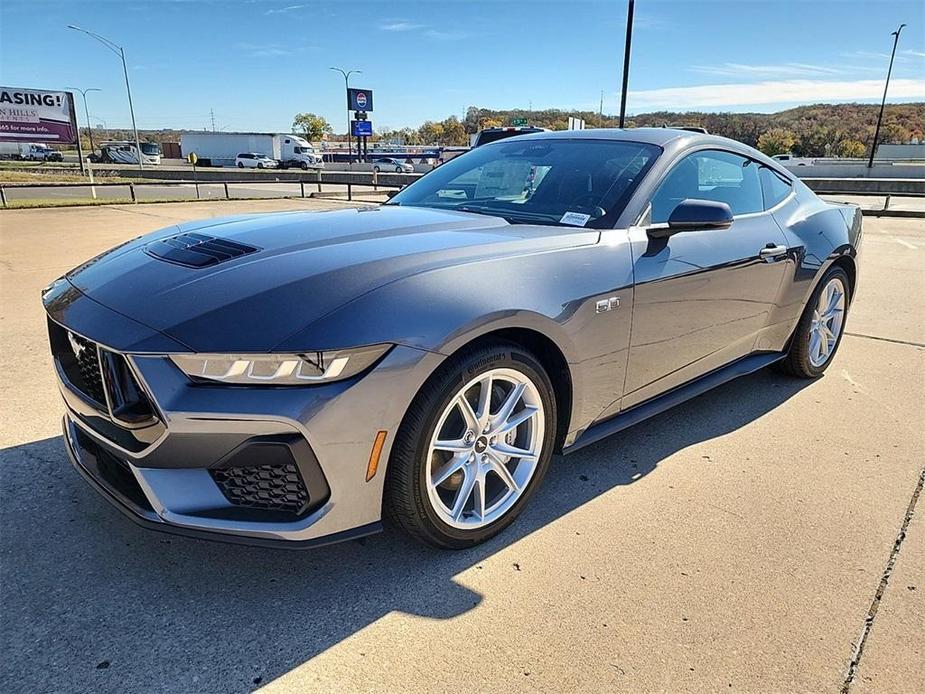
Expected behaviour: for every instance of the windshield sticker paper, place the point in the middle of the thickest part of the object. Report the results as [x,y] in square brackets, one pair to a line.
[576,219]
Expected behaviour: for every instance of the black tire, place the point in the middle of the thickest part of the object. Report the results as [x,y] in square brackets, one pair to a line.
[405,501]
[259,166]
[376,169]
[303,166]
[398,169]
[797,362]
[240,164]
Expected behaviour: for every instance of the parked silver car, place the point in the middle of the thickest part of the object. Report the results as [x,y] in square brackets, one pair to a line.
[389,164]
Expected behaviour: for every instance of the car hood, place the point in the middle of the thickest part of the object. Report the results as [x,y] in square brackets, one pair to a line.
[306,265]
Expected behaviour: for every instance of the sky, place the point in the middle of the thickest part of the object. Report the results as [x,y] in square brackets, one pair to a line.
[255,63]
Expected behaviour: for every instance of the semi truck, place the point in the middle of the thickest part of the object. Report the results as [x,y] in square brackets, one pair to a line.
[30,151]
[220,149]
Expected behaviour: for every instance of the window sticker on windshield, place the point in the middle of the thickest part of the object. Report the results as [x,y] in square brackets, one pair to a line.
[576,219]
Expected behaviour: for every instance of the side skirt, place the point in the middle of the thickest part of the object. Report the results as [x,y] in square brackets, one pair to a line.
[659,404]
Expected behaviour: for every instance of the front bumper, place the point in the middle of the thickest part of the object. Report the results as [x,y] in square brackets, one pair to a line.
[170,473]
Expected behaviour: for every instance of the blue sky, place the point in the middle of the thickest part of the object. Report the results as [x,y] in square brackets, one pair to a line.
[257,62]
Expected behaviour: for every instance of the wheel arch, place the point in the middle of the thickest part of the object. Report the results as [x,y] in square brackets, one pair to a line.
[550,356]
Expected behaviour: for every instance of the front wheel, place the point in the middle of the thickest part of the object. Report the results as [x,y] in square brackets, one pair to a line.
[303,166]
[240,165]
[376,169]
[819,332]
[473,447]
[398,169]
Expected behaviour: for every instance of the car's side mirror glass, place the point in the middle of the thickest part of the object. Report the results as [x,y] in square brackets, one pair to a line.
[694,215]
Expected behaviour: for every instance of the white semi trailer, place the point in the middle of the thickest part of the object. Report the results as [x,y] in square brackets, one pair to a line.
[220,149]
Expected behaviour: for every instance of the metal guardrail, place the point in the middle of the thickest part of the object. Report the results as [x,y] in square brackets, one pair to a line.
[389,181]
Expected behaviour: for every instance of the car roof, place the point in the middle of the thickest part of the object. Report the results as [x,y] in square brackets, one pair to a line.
[653,136]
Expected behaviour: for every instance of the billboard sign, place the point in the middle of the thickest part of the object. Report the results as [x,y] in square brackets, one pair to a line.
[359,99]
[361,128]
[37,115]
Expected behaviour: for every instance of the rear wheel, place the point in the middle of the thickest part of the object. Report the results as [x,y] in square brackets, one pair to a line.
[473,448]
[821,327]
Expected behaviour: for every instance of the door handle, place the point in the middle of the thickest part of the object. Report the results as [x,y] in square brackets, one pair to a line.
[771,252]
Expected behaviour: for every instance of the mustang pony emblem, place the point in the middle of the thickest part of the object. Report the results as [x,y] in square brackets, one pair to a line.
[75,345]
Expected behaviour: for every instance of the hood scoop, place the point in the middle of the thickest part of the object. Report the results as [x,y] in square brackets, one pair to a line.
[197,250]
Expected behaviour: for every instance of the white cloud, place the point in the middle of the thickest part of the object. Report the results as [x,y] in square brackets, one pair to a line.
[914,53]
[400,26]
[264,50]
[437,35]
[771,92]
[285,10]
[783,70]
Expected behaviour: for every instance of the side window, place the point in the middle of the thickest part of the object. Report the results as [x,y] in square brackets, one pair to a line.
[776,187]
[710,175]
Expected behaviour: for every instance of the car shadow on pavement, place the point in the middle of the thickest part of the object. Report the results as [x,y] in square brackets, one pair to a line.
[91,602]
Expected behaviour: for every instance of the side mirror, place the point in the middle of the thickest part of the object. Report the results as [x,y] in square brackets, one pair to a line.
[694,215]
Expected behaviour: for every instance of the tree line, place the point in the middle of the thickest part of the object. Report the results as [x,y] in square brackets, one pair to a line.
[818,130]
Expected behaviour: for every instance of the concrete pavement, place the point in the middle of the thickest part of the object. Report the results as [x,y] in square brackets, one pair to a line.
[735,543]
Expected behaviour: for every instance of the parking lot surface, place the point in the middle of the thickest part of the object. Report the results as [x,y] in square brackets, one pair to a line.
[735,543]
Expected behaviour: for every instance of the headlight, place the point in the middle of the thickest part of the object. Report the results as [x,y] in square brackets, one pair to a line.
[280,369]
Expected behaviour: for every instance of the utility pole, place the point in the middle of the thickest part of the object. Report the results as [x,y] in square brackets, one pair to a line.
[600,114]
[119,51]
[212,116]
[83,93]
[626,60]
[346,74]
[873,146]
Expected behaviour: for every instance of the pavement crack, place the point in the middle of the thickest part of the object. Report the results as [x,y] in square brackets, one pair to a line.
[886,339]
[881,588]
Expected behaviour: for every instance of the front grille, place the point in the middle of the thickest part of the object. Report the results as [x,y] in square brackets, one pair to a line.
[80,361]
[197,250]
[266,487]
[95,372]
[90,377]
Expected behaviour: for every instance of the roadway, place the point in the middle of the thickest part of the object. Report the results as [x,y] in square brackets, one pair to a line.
[735,543]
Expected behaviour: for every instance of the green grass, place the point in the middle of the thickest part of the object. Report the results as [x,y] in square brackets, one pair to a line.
[52,177]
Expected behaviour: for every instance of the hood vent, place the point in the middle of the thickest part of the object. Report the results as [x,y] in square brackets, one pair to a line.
[197,250]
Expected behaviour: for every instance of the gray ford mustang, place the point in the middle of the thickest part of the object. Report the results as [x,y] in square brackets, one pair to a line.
[290,379]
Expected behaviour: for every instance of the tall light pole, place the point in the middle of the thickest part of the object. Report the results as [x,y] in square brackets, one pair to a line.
[119,51]
[346,75]
[83,93]
[873,146]
[626,60]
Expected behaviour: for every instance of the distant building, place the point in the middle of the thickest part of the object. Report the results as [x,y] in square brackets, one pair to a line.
[901,152]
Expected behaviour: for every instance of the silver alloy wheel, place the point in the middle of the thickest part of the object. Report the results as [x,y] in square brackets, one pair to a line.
[828,319]
[485,448]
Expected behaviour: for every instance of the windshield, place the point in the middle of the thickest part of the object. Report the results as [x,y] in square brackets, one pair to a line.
[537,181]
[149,148]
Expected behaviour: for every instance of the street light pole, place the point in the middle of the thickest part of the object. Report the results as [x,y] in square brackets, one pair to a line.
[346,75]
[873,147]
[119,51]
[83,93]
[626,60]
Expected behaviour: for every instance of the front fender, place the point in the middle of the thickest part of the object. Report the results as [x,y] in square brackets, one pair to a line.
[552,293]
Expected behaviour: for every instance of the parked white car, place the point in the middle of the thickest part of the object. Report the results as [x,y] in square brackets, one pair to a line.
[791,160]
[254,160]
[392,165]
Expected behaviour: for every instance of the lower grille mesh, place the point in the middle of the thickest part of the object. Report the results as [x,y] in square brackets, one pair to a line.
[269,487]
